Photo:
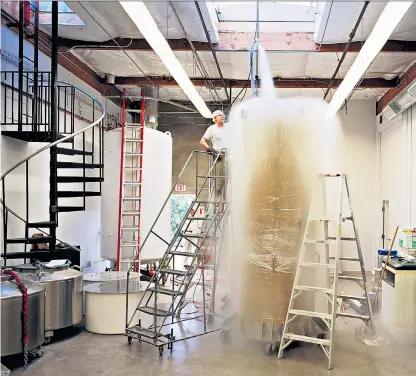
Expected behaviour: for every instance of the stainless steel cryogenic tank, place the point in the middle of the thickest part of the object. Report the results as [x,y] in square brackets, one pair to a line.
[11,315]
[156,185]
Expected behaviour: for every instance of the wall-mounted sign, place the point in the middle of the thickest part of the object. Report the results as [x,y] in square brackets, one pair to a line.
[180,188]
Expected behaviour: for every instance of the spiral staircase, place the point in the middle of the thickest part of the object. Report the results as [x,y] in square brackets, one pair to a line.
[76,157]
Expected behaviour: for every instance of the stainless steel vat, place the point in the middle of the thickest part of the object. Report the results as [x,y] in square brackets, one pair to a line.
[63,306]
[11,315]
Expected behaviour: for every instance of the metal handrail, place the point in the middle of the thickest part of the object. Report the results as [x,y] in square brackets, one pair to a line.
[46,147]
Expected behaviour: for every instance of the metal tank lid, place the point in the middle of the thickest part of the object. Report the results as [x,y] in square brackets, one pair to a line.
[115,287]
[61,275]
[109,276]
[9,288]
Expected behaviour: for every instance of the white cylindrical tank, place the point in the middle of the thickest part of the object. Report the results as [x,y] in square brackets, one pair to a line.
[156,185]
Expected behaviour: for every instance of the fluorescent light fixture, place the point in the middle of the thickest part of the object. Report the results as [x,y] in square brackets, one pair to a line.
[388,21]
[144,21]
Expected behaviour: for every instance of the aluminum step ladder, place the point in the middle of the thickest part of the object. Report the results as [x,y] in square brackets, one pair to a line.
[162,316]
[131,174]
[331,266]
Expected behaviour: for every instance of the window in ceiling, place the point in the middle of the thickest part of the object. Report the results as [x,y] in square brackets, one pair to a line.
[66,16]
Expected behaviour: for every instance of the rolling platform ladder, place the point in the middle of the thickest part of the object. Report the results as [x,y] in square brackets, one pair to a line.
[332,246]
[131,173]
[160,316]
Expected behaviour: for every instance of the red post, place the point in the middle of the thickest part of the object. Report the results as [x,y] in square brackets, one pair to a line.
[142,121]
[120,198]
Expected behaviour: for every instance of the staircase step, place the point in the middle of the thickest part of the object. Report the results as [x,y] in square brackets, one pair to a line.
[164,291]
[182,253]
[62,209]
[68,151]
[77,194]
[78,165]
[44,239]
[46,224]
[318,341]
[79,179]
[144,332]
[353,316]
[151,311]
[300,312]
[172,271]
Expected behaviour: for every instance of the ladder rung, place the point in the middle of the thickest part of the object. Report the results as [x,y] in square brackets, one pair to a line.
[352,297]
[199,236]
[131,198]
[180,253]
[132,125]
[353,316]
[316,265]
[199,218]
[343,239]
[315,289]
[320,241]
[132,183]
[300,312]
[346,258]
[152,311]
[132,168]
[324,217]
[130,228]
[318,341]
[172,271]
[132,154]
[349,278]
[133,140]
[164,291]
[133,110]
[131,213]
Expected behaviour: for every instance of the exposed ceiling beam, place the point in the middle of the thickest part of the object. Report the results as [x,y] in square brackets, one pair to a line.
[238,41]
[406,79]
[67,60]
[372,83]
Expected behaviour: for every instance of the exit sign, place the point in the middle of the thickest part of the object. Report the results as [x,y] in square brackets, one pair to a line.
[180,188]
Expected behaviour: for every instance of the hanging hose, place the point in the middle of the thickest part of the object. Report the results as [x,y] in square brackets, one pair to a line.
[25,312]
[254,77]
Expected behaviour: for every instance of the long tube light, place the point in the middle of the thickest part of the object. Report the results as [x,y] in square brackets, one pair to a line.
[144,21]
[387,22]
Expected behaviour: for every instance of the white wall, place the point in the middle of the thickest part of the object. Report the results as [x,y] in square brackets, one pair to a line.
[397,174]
[358,151]
[78,228]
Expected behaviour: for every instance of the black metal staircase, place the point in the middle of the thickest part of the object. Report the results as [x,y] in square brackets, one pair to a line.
[37,108]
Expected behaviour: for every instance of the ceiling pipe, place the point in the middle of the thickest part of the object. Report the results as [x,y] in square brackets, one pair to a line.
[352,35]
[212,48]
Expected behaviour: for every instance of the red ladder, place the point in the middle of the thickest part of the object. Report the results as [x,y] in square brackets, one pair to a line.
[131,178]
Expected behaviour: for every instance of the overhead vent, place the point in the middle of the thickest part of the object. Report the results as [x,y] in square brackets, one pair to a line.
[403,101]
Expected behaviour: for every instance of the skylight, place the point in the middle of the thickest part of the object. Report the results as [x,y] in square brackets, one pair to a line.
[66,16]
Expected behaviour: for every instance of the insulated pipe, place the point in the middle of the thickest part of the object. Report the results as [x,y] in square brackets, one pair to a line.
[212,48]
[352,35]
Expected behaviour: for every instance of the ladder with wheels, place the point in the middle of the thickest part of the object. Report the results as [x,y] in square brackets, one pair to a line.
[331,265]
[131,173]
[160,307]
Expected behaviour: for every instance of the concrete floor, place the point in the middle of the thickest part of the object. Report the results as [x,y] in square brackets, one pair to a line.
[89,354]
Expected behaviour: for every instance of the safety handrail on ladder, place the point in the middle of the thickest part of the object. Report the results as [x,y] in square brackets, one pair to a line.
[169,196]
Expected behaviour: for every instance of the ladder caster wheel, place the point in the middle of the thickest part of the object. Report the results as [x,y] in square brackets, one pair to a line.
[270,348]
[225,336]
[47,341]
[129,340]
[161,351]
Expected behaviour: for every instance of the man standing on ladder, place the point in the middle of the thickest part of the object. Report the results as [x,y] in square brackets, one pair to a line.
[218,135]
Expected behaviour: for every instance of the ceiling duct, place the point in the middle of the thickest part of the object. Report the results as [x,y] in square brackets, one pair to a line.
[152,107]
[401,102]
